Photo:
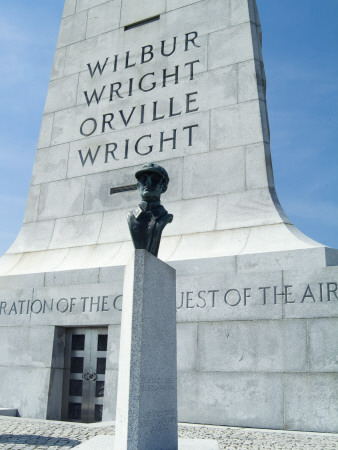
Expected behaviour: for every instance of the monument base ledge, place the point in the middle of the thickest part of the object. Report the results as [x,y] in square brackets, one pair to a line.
[11,266]
[242,242]
[104,442]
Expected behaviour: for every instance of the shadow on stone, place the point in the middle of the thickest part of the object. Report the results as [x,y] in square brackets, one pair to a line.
[35,439]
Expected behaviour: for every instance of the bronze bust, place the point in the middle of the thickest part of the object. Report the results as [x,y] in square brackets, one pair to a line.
[148,220]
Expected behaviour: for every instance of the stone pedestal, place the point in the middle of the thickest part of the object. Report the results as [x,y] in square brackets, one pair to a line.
[147,384]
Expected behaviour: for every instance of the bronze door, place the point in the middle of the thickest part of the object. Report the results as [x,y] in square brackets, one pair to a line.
[84,375]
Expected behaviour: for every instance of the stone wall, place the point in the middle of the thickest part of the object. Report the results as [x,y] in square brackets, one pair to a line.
[255,349]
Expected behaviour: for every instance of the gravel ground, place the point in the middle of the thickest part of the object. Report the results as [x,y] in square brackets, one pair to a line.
[22,434]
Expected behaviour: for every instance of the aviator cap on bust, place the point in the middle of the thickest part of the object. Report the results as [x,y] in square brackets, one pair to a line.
[153,168]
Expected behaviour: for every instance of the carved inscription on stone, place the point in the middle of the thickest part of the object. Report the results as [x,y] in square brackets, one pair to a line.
[207,297]
[63,305]
[128,81]
[263,295]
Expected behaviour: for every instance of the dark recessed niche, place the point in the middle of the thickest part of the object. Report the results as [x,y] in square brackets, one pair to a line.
[141,22]
[98,413]
[74,411]
[75,388]
[78,341]
[102,340]
[116,190]
[76,365]
[99,391]
[101,366]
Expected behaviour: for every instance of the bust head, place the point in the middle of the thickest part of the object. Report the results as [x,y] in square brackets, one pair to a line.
[152,181]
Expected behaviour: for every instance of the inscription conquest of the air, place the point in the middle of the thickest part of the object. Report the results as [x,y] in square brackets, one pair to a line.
[200,299]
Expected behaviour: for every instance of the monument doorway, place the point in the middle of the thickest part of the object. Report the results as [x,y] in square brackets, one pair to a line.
[84,374]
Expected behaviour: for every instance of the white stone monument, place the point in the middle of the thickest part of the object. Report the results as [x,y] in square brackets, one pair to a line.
[180,83]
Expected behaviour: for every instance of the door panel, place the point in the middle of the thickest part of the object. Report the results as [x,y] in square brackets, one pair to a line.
[84,377]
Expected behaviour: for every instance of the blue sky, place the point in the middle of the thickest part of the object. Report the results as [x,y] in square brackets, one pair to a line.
[300,48]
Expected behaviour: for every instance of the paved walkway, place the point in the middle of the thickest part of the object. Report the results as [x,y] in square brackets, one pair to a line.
[22,434]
